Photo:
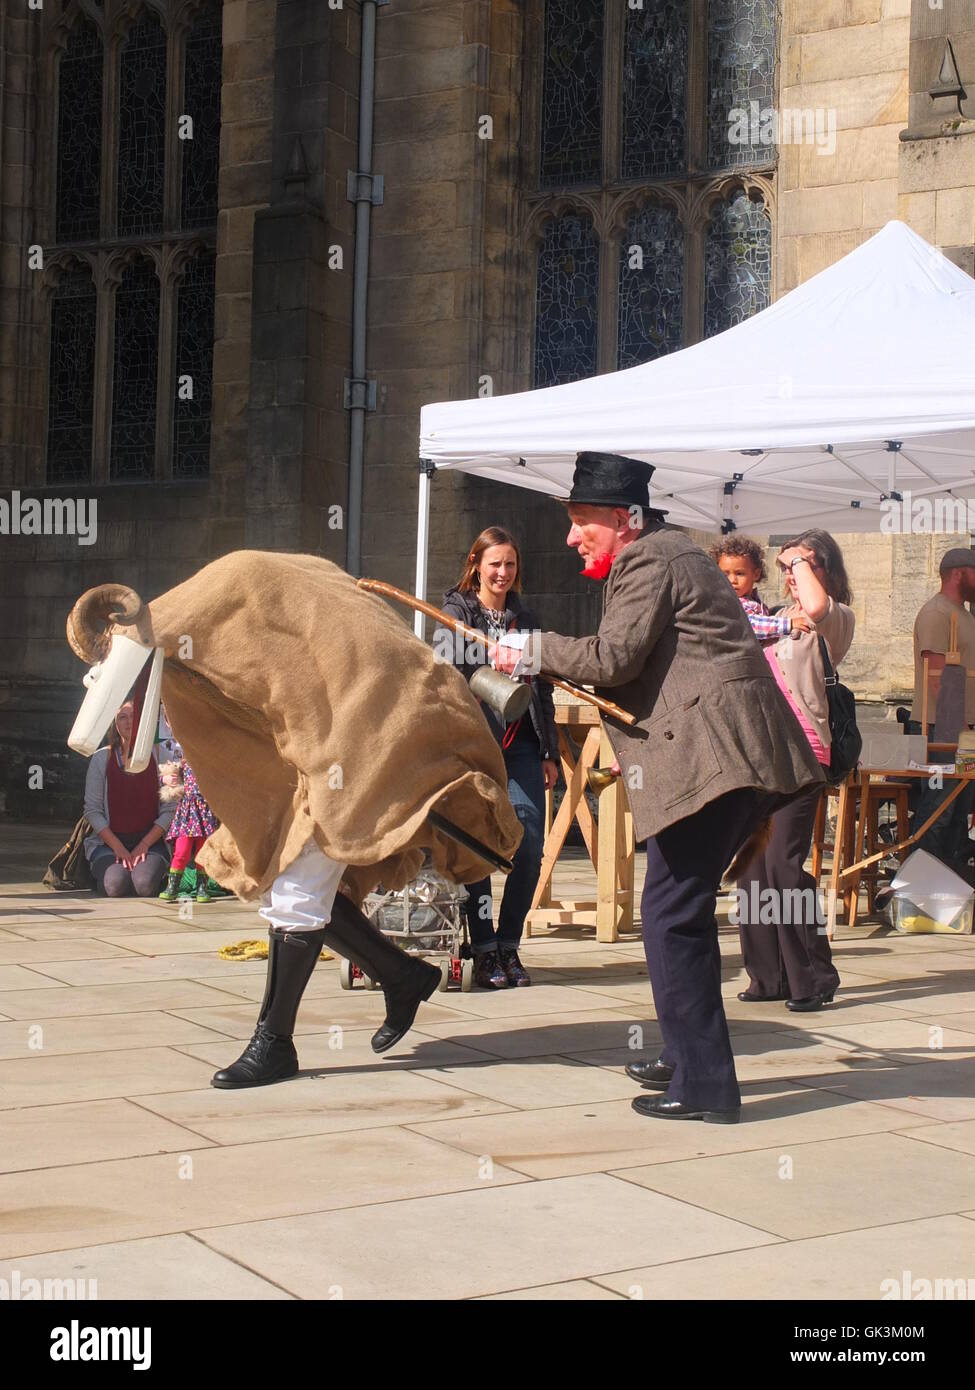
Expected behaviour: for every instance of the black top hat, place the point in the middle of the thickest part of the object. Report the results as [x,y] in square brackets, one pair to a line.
[611,480]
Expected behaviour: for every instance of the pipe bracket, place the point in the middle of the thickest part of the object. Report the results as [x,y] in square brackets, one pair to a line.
[364,188]
[359,394]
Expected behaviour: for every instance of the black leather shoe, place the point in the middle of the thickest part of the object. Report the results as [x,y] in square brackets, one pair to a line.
[747,998]
[660,1108]
[268,1057]
[808,1005]
[489,973]
[513,968]
[655,1076]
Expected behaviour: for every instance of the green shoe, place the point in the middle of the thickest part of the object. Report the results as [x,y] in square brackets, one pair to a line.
[216,890]
[169,894]
[203,892]
[187,884]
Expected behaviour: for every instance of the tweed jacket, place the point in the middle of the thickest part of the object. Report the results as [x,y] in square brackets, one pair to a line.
[676,650]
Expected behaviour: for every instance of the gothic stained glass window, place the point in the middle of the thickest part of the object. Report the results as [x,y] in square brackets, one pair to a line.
[572,92]
[201,101]
[651,286]
[134,374]
[79,135]
[71,379]
[741,79]
[142,127]
[566,297]
[194,363]
[737,263]
[655,90]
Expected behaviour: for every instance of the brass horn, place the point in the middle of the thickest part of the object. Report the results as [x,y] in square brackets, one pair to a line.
[599,778]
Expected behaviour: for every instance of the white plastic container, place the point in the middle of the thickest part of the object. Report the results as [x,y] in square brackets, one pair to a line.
[930,897]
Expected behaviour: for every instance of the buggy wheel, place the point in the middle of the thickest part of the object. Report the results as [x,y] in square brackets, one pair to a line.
[466,975]
[444,984]
[345,973]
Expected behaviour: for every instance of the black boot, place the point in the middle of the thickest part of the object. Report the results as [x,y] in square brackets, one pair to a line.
[270,1055]
[406,981]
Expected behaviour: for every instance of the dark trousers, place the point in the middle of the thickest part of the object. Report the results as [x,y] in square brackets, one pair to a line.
[948,838]
[680,936]
[781,921]
[526,791]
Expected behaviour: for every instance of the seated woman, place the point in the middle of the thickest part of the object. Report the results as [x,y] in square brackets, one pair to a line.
[127,853]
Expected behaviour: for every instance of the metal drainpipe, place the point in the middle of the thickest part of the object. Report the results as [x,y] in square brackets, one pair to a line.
[364,189]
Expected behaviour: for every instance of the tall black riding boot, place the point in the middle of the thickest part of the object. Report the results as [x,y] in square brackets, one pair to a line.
[406,981]
[270,1055]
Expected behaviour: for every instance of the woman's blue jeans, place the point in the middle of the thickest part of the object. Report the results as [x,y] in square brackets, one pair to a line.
[526,788]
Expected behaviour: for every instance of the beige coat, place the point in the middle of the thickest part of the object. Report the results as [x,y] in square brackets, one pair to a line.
[308,711]
[675,649]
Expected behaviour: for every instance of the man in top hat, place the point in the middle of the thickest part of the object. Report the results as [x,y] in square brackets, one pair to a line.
[714,751]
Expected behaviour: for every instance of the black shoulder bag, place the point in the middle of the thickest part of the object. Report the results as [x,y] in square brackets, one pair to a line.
[846,741]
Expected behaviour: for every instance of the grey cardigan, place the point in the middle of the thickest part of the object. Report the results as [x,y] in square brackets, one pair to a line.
[96,802]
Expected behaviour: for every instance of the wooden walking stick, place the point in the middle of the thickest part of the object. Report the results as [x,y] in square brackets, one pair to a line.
[378,586]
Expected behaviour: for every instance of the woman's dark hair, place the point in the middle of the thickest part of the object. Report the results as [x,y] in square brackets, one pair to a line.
[740,546]
[491,535]
[830,558]
[114,737]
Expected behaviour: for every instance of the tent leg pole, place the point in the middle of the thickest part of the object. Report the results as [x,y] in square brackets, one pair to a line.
[422,541]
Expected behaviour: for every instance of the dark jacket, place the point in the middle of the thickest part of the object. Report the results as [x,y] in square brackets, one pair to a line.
[675,649]
[463,604]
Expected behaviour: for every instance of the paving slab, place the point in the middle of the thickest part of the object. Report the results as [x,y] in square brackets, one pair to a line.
[43,1080]
[317,1105]
[51,1136]
[163,1267]
[23,952]
[101,1203]
[99,1033]
[572,1291]
[349,1050]
[934,1090]
[820,1188]
[478,1242]
[610,1135]
[863,1264]
[547,1034]
[109,999]
[537,1082]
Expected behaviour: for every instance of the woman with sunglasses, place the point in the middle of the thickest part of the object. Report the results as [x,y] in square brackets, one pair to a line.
[788,957]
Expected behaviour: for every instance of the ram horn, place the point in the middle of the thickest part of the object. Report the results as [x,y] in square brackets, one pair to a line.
[95,613]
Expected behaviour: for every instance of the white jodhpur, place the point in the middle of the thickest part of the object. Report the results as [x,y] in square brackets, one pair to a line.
[301,897]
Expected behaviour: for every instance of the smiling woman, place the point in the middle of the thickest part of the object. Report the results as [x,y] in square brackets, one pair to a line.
[127,851]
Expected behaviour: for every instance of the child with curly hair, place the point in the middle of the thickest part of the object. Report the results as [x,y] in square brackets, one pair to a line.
[741,561]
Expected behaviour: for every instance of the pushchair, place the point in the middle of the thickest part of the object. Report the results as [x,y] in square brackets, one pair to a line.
[426,918]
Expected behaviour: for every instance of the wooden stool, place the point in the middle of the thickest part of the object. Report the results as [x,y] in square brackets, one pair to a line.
[879,794]
[845,836]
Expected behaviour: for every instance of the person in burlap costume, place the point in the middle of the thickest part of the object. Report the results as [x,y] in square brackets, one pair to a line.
[279,673]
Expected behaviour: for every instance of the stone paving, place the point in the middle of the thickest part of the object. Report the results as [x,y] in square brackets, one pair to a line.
[494,1153]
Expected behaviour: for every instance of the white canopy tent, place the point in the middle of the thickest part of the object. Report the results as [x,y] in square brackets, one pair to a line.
[856,388]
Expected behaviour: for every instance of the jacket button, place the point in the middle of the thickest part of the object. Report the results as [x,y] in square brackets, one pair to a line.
[668,733]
